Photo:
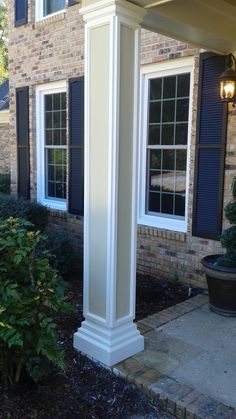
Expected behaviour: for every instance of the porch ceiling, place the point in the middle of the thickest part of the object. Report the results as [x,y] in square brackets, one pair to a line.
[209,24]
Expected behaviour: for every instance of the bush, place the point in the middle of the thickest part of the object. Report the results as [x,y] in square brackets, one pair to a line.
[36,213]
[31,294]
[5,183]
[228,237]
[59,245]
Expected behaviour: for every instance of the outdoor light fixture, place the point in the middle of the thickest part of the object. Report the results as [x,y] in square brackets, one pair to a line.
[228,81]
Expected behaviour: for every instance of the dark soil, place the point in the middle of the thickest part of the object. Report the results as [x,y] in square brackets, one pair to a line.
[86,390]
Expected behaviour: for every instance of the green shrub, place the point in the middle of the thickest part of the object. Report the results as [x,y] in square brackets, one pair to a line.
[59,245]
[31,294]
[5,183]
[228,237]
[34,212]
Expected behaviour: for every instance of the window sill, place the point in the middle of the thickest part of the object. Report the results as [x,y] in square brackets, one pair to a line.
[163,223]
[54,17]
[54,205]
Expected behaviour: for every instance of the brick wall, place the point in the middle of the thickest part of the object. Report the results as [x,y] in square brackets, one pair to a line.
[53,50]
[4,149]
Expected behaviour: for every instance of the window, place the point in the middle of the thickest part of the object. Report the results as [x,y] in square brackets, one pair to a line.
[48,7]
[164,155]
[52,145]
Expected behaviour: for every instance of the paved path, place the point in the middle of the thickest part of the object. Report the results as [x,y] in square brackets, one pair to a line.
[189,361]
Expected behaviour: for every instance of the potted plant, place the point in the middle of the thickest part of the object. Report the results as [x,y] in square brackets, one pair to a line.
[220,270]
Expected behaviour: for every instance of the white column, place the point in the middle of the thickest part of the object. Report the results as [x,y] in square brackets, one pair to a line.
[108,333]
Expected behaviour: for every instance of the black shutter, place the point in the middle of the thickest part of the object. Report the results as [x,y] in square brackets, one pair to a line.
[21,12]
[22,124]
[72,2]
[210,149]
[76,146]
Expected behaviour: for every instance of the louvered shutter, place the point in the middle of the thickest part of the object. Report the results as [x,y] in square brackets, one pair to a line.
[210,150]
[21,12]
[22,123]
[76,146]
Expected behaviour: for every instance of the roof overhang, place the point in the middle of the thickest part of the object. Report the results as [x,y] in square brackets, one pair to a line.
[208,24]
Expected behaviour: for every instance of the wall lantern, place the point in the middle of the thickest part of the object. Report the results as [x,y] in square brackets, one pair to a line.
[228,81]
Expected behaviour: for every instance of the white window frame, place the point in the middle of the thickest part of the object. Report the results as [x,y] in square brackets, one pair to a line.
[163,69]
[39,11]
[41,91]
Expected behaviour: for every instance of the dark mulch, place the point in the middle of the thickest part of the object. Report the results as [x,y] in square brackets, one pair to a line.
[87,390]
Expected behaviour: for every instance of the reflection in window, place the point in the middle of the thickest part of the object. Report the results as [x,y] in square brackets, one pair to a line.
[55,145]
[167,145]
[52,6]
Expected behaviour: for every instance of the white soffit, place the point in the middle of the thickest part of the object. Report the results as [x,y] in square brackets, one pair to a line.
[209,24]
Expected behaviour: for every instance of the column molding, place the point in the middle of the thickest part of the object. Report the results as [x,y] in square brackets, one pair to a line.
[112,337]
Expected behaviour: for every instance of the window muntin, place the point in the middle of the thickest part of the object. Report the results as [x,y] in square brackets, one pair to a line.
[55,145]
[168,105]
[52,6]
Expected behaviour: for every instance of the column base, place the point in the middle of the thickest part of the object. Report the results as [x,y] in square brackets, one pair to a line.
[108,346]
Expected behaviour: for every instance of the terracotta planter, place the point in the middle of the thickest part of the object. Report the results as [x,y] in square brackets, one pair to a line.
[221,283]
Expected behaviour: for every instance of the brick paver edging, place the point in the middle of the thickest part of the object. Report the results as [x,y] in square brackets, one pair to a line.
[182,401]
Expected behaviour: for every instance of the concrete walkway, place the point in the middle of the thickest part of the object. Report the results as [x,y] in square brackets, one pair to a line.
[189,361]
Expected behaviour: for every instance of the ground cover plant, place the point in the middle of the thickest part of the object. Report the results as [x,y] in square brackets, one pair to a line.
[31,294]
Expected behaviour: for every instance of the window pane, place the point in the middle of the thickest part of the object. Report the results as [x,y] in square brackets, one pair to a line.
[155,112]
[63,137]
[155,159]
[63,119]
[48,120]
[168,112]
[49,137]
[56,119]
[179,205]
[51,192]
[155,180]
[56,101]
[154,202]
[167,203]
[52,6]
[63,100]
[56,173]
[154,134]
[50,154]
[169,87]
[48,102]
[167,134]
[181,134]
[51,172]
[182,110]
[155,89]
[56,137]
[168,160]
[180,181]
[181,156]
[168,181]
[183,83]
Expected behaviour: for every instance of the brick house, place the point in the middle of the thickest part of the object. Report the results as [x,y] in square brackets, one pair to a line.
[186,139]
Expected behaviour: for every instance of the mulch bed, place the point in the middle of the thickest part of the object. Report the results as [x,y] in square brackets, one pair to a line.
[86,390]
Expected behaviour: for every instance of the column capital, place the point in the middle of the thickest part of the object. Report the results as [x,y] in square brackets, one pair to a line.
[109,8]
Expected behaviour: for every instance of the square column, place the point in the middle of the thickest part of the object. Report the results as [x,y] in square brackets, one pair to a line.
[108,333]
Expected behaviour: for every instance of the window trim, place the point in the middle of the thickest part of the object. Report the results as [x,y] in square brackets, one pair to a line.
[163,69]
[39,11]
[41,91]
